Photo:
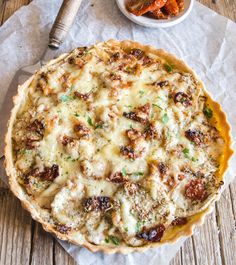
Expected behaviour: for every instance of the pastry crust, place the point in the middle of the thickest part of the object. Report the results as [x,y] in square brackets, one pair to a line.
[173,235]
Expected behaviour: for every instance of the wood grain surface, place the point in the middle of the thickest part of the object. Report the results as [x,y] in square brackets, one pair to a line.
[24,242]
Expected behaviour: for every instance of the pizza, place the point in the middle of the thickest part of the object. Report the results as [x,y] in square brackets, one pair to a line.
[117,147]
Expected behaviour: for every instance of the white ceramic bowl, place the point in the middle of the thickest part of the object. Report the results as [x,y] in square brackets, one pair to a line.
[156,23]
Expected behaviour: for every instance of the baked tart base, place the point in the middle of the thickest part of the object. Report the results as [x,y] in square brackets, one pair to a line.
[117,147]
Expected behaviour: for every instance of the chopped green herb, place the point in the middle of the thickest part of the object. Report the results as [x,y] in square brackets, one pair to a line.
[208,112]
[24,152]
[194,159]
[115,240]
[141,92]
[123,172]
[168,135]
[126,229]
[168,68]
[129,69]
[165,118]
[76,114]
[38,185]
[128,106]
[138,226]
[131,126]
[64,98]
[186,152]
[98,126]
[68,158]
[160,98]
[89,120]
[138,173]
[155,105]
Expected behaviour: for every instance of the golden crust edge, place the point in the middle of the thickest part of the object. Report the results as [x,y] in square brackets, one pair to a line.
[189,227]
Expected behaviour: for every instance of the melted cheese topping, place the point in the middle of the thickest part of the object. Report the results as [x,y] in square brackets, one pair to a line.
[115,143]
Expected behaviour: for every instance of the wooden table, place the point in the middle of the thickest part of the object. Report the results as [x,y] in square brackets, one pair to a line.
[23,241]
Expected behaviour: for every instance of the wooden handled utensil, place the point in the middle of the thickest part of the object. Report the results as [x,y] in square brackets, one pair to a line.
[63,22]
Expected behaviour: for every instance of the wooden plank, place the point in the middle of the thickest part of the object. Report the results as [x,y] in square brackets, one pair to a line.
[2,8]
[232,189]
[11,6]
[61,256]
[226,8]
[187,252]
[15,230]
[226,223]
[42,246]
[206,242]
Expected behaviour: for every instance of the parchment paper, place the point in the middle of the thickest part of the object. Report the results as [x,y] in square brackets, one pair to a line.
[205,40]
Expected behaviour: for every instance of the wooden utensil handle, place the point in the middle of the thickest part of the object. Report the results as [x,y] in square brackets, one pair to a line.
[63,22]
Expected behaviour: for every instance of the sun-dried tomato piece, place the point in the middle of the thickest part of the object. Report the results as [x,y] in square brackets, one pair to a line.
[117,178]
[196,190]
[34,172]
[63,229]
[97,203]
[50,173]
[157,14]
[37,126]
[162,168]
[183,98]
[161,84]
[31,143]
[133,116]
[82,96]
[137,53]
[81,130]
[75,59]
[81,51]
[181,177]
[181,5]
[195,136]
[150,132]
[170,182]
[171,7]
[147,61]
[128,152]
[145,108]
[67,140]
[91,204]
[34,134]
[179,221]
[115,57]
[153,234]
[140,7]
[141,114]
[133,134]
